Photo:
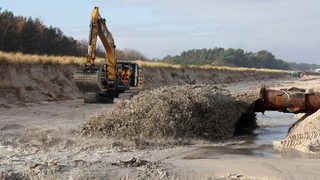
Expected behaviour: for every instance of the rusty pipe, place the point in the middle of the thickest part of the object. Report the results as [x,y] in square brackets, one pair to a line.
[293,100]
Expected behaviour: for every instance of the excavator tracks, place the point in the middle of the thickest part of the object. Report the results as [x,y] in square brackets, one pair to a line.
[94,97]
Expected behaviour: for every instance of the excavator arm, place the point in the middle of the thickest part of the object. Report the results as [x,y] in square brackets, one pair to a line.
[98,28]
[94,79]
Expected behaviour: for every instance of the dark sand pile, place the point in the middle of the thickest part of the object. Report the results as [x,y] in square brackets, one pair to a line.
[178,112]
[303,136]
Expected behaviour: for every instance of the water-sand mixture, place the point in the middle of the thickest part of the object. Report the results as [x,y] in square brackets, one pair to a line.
[173,113]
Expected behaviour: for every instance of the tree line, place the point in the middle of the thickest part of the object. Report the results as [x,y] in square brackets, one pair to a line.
[236,58]
[31,36]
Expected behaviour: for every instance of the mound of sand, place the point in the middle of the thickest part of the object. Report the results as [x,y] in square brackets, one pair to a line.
[189,111]
[303,136]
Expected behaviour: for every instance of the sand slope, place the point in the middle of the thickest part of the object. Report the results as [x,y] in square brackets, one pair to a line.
[22,83]
[304,136]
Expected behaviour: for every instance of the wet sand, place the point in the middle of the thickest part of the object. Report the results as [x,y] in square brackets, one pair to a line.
[40,140]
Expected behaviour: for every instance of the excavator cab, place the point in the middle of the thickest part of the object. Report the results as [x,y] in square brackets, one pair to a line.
[128,73]
[129,76]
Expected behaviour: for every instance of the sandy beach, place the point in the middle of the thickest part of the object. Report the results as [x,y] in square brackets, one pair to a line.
[41,141]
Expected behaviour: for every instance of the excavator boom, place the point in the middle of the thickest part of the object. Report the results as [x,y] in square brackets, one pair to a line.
[99,29]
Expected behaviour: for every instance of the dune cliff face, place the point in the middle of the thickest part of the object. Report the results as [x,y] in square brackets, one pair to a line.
[21,83]
[24,83]
[157,77]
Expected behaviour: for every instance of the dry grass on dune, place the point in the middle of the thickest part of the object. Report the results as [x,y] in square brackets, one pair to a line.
[172,113]
[19,58]
[153,64]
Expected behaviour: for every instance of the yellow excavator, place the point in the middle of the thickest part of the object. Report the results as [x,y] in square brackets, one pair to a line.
[103,83]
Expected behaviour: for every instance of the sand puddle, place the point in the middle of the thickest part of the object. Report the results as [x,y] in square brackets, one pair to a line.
[274,127]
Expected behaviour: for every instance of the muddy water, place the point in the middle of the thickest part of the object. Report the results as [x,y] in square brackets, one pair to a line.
[273,126]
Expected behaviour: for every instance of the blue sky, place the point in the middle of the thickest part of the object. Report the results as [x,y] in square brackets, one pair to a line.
[290,29]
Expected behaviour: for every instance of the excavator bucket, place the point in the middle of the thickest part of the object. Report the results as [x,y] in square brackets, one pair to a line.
[88,81]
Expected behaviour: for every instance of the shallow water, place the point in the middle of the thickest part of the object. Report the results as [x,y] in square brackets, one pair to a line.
[273,126]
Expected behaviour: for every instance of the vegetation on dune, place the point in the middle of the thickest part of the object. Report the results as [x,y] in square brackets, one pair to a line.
[158,64]
[19,58]
[235,58]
